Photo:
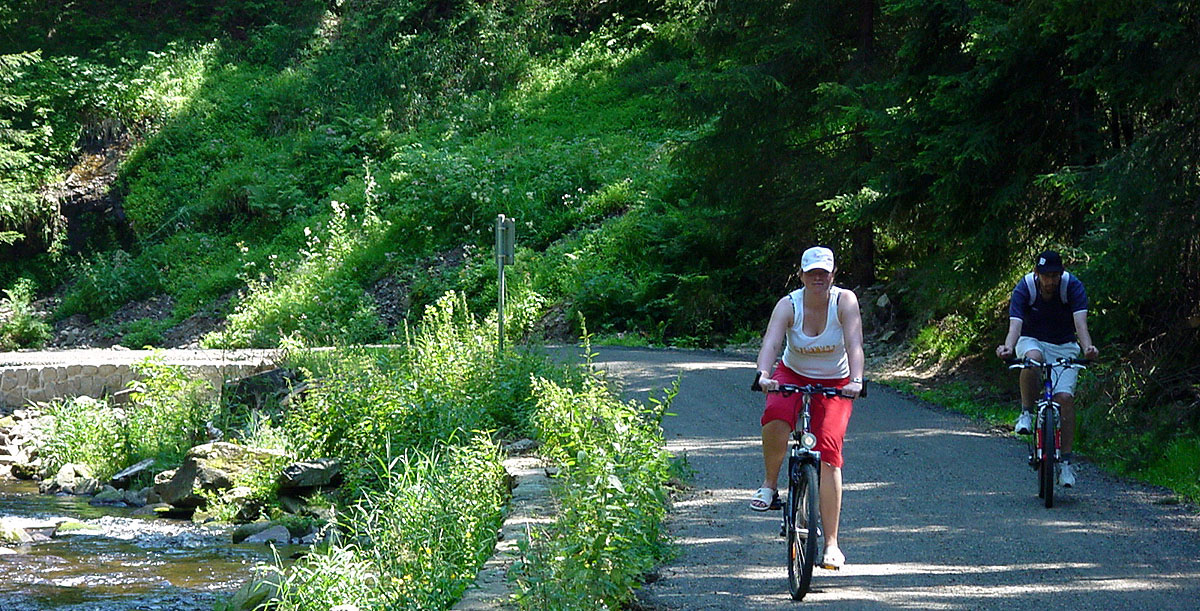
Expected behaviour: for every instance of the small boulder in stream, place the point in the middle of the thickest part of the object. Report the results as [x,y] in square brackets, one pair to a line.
[70,479]
[211,467]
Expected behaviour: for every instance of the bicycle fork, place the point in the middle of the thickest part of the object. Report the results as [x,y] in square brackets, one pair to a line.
[1042,445]
[796,461]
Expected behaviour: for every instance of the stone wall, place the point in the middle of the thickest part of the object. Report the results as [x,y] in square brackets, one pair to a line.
[99,373]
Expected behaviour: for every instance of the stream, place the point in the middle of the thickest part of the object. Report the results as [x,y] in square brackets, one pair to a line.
[120,562]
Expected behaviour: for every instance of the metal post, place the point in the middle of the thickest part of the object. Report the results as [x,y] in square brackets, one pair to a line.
[505,245]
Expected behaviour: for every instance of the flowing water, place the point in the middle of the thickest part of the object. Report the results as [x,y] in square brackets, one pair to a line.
[120,562]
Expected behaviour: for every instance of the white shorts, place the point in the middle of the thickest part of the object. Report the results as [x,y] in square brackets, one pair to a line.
[1064,379]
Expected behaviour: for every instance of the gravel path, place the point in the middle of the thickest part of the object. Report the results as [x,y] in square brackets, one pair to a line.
[939,513]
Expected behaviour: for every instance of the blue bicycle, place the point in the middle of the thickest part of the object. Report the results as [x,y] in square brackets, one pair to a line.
[1046,443]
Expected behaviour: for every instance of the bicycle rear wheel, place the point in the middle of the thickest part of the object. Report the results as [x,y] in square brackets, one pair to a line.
[802,529]
[1049,451]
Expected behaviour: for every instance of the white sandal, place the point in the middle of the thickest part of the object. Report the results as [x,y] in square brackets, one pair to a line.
[834,559]
[763,499]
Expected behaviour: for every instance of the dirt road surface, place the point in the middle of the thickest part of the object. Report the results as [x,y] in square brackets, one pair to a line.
[939,513]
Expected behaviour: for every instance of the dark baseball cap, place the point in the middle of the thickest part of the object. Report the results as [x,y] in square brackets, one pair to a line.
[1049,262]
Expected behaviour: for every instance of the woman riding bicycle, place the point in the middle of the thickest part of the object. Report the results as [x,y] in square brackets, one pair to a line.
[1047,314]
[823,328]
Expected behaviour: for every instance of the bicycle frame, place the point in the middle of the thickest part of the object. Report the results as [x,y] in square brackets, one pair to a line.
[1047,407]
[1046,445]
[801,518]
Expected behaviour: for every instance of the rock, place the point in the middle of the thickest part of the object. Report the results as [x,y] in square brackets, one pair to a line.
[258,592]
[135,498]
[307,475]
[244,531]
[211,467]
[86,486]
[242,497]
[108,496]
[520,446]
[122,479]
[274,534]
[22,530]
[12,533]
[69,527]
[70,479]
[27,471]
[261,390]
[291,505]
[153,510]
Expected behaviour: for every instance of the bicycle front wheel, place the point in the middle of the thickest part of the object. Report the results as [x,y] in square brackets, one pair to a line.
[802,531]
[1049,451]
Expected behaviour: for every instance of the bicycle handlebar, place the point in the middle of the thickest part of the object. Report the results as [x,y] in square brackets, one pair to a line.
[1028,363]
[816,389]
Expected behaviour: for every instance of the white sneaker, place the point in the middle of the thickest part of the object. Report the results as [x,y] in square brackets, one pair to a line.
[1066,475]
[1024,423]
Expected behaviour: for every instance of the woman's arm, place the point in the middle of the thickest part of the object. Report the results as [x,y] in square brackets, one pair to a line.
[852,330]
[782,317]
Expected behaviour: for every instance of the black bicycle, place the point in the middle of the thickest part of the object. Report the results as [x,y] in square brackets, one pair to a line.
[1045,444]
[801,509]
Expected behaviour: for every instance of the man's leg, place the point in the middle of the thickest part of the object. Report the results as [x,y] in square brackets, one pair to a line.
[1066,410]
[1031,382]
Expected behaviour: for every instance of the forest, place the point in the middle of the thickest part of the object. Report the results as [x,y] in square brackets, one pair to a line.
[323,172]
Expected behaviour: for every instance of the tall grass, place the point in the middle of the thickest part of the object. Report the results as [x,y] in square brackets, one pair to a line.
[608,532]
[416,542]
[163,421]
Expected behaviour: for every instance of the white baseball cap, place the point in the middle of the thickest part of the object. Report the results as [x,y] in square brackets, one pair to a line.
[817,257]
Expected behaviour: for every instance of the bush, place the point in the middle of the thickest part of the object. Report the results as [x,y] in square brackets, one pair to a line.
[446,382]
[106,282]
[415,543]
[609,527]
[165,419]
[319,300]
[22,328]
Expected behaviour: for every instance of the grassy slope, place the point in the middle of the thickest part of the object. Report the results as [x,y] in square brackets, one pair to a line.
[237,187]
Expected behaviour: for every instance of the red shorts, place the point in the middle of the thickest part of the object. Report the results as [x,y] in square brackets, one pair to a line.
[829,415]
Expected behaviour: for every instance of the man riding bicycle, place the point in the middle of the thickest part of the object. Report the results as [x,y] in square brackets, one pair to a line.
[1048,321]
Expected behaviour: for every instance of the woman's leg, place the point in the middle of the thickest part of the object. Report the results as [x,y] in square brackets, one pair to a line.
[831,504]
[774,447]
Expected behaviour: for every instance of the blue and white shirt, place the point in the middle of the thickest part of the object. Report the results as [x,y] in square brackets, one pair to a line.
[1053,320]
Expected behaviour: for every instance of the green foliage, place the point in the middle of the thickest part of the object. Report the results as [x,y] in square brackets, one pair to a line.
[85,431]
[107,281]
[317,301]
[165,419]
[446,382]
[21,327]
[416,542]
[611,499]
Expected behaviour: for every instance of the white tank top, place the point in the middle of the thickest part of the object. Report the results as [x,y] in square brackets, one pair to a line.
[822,357]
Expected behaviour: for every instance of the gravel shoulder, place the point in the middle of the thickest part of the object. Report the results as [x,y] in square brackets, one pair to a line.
[939,512]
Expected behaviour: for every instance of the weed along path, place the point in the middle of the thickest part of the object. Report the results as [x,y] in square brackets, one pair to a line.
[939,513]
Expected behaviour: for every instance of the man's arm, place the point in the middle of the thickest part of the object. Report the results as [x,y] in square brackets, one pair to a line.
[1085,339]
[1007,349]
